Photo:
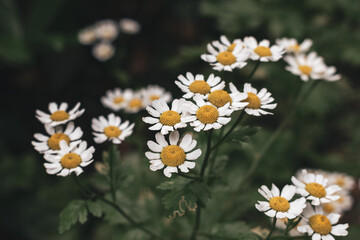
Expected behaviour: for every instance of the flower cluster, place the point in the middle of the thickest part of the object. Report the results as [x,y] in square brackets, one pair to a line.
[311,191]
[103,33]
[62,147]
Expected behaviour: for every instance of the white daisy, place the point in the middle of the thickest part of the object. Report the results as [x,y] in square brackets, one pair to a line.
[163,118]
[343,180]
[315,188]
[154,92]
[258,101]
[59,115]
[329,74]
[291,45]
[51,143]
[111,129]
[129,26]
[230,45]
[174,155]
[263,51]
[278,204]
[197,86]
[343,204]
[223,60]
[115,99]
[103,51]
[205,116]
[135,101]
[106,30]
[319,226]
[307,66]
[87,36]
[69,159]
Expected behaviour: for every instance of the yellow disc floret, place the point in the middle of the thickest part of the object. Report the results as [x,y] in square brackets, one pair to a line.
[199,86]
[70,160]
[219,98]
[305,69]
[253,100]
[118,100]
[207,114]
[328,207]
[135,103]
[316,190]
[54,140]
[170,118]
[59,116]
[154,97]
[320,224]
[112,131]
[231,47]
[263,51]
[226,58]
[294,48]
[279,204]
[172,155]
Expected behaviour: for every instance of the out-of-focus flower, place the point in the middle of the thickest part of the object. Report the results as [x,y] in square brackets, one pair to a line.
[291,45]
[106,30]
[103,51]
[258,101]
[129,26]
[230,45]
[154,92]
[115,99]
[262,51]
[135,101]
[87,36]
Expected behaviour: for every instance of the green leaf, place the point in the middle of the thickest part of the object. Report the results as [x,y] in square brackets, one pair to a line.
[242,134]
[74,212]
[95,208]
[234,230]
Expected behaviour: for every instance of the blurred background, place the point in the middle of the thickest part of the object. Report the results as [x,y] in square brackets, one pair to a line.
[41,60]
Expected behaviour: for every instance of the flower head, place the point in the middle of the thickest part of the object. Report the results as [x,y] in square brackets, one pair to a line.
[258,101]
[278,204]
[129,26]
[154,92]
[197,86]
[291,45]
[69,159]
[51,143]
[262,51]
[106,30]
[135,101]
[320,226]
[165,119]
[116,99]
[87,36]
[236,99]
[315,188]
[103,51]
[111,129]
[230,45]
[173,155]
[59,114]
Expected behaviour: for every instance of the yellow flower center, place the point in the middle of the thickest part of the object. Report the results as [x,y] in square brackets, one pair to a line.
[279,204]
[172,155]
[294,48]
[320,224]
[70,160]
[207,114]
[135,103]
[305,69]
[170,118]
[328,207]
[226,58]
[340,181]
[59,116]
[231,47]
[118,100]
[54,140]
[263,51]
[253,100]
[199,86]
[219,98]
[154,97]
[316,190]
[112,131]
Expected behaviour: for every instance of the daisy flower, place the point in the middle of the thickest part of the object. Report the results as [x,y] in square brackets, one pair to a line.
[291,45]
[262,50]
[219,98]
[51,143]
[307,66]
[343,204]
[172,155]
[115,99]
[87,36]
[329,74]
[129,26]
[278,204]
[315,188]
[69,159]
[111,129]
[223,60]
[205,116]
[135,101]
[343,180]
[258,101]
[154,92]
[230,45]
[319,226]
[103,51]
[197,86]
[106,30]
[163,118]
[59,115]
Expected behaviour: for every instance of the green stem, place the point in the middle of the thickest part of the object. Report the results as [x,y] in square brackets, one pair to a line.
[254,70]
[272,228]
[111,172]
[188,176]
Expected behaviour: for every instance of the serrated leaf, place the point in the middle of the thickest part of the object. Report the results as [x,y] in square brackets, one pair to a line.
[95,208]
[75,211]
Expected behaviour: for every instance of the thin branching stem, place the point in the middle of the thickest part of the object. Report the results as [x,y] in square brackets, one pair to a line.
[112,150]
[272,228]
[257,64]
